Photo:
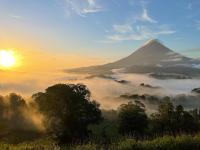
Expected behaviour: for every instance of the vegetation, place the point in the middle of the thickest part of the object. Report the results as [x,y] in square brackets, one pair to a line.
[68,111]
[132,119]
[15,120]
[184,142]
[174,120]
[72,120]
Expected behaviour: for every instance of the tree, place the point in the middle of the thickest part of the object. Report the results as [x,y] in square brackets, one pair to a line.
[14,110]
[132,118]
[68,110]
[173,120]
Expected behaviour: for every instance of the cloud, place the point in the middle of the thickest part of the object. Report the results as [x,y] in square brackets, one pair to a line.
[140,27]
[128,32]
[145,17]
[198,24]
[82,7]
[122,28]
[192,50]
[165,32]
[26,86]
[15,16]
[193,53]
[85,11]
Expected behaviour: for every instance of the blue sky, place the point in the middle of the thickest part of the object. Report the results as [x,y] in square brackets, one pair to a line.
[107,29]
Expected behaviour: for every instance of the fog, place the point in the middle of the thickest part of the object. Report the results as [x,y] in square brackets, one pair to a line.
[170,86]
[105,90]
[17,114]
[109,90]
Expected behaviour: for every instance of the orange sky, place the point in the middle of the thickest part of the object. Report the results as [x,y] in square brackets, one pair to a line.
[32,61]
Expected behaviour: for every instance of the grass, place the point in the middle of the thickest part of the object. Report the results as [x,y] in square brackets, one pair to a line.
[162,143]
[184,142]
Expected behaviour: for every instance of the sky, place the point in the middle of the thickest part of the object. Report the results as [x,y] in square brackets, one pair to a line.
[72,33]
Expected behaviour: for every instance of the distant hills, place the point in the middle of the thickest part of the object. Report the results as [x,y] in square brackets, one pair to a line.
[153,58]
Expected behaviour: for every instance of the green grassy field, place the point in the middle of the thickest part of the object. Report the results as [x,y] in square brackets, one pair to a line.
[163,143]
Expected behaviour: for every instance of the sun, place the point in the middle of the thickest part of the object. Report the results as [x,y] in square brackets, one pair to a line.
[7,58]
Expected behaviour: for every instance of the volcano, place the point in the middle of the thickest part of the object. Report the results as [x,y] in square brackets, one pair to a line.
[153,57]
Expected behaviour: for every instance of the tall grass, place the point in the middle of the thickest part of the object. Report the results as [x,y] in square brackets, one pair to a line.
[162,143]
[184,142]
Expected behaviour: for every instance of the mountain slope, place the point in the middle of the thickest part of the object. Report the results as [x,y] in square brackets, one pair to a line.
[151,53]
[150,58]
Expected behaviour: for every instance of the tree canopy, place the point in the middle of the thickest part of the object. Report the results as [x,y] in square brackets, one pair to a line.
[132,118]
[68,109]
[174,120]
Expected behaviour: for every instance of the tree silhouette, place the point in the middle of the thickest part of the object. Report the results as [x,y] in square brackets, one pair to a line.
[68,110]
[132,118]
[174,121]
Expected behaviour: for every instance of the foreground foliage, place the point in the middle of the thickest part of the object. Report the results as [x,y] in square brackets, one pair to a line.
[162,143]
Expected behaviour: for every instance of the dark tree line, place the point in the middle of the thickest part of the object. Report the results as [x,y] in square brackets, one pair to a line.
[69,113]
[169,120]
[175,120]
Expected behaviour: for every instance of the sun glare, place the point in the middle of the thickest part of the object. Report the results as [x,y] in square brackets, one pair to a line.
[7,58]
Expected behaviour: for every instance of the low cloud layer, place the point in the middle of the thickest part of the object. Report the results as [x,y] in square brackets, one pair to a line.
[105,90]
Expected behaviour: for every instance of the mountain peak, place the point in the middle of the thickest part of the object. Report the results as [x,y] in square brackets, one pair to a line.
[152,42]
[153,46]
[151,54]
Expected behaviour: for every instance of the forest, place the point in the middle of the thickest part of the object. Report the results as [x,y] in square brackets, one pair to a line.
[66,117]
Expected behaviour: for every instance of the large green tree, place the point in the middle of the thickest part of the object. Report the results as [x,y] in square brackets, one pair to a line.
[132,118]
[68,110]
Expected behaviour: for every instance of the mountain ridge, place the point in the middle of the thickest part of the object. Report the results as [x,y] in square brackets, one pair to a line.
[150,57]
